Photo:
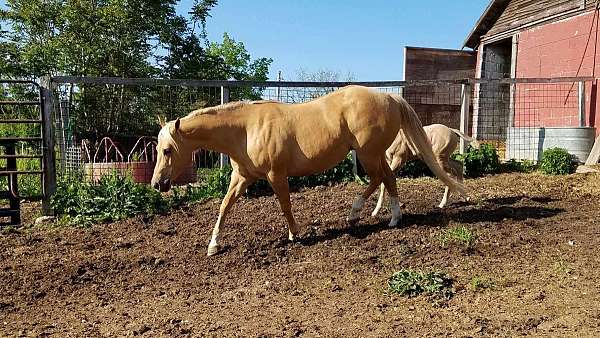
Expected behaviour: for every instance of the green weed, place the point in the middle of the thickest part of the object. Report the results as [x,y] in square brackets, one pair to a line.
[460,235]
[411,283]
[479,283]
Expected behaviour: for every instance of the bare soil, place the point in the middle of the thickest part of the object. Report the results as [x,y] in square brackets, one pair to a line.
[538,240]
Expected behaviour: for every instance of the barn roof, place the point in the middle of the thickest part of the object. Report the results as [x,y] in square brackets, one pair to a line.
[485,22]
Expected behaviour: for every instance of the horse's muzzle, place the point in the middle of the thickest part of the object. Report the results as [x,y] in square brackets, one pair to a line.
[162,185]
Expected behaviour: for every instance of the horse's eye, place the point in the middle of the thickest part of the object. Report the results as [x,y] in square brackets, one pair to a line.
[167,152]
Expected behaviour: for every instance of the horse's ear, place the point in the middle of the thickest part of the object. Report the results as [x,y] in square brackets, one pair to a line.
[175,127]
[161,121]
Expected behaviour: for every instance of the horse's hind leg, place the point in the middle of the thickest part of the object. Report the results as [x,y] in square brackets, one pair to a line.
[397,162]
[455,169]
[372,166]
[237,186]
[389,180]
[379,201]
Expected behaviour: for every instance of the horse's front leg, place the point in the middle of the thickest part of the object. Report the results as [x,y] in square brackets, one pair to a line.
[237,185]
[279,183]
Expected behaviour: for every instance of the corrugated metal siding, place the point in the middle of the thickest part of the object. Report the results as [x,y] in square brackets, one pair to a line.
[522,12]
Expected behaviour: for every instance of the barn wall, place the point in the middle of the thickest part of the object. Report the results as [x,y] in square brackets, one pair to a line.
[440,103]
[556,50]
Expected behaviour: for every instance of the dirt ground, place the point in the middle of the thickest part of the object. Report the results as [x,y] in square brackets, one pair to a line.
[538,240]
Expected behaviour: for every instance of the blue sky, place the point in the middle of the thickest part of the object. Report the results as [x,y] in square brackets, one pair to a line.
[363,37]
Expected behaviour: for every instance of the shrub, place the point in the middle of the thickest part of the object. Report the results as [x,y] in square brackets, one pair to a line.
[411,283]
[112,198]
[479,162]
[557,161]
[459,234]
[415,169]
[212,183]
[523,166]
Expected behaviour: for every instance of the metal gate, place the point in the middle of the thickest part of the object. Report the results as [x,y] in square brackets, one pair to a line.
[26,151]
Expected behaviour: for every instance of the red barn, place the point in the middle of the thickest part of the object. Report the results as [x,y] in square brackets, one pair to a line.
[537,39]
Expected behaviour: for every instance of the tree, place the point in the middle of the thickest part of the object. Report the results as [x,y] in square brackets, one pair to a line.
[239,66]
[121,38]
[322,75]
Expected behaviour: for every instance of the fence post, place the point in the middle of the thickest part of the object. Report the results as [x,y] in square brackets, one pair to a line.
[49,164]
[464,113]
[223,158]
[581,102]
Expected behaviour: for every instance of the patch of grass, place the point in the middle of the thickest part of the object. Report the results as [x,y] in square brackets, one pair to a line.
[563,267]
[8,229]
[480,283]
[460,235]
[411,283]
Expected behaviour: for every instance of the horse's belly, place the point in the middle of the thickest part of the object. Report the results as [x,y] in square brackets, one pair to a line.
[304,163]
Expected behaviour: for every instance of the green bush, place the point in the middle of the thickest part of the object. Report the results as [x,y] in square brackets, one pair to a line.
[479,162]
[112,198]
[212,183]
[415,169]
[557,161]
[523,166]
[411,283]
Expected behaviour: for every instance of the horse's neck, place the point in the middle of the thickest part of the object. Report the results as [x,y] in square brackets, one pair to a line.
[216,132]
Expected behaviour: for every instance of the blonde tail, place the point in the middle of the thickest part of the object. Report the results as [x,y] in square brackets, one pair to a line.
[473,142]
[418,139]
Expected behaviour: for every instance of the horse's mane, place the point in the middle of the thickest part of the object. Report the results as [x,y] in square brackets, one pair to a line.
[226,107]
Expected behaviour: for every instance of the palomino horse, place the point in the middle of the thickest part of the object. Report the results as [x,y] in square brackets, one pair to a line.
[443,141]
[272,140]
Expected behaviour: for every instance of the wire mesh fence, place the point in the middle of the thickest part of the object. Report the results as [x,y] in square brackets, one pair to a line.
[521,118]
[105,124]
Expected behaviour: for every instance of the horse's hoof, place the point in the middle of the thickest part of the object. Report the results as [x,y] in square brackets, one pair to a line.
[213,249]
[374,213]
[353,221]
[394,222]
[441,206]
[291,237]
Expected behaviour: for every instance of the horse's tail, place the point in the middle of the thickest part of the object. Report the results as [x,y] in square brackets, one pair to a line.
[473,142]
[419,143]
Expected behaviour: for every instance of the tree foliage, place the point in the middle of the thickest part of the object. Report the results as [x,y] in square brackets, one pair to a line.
[124,38]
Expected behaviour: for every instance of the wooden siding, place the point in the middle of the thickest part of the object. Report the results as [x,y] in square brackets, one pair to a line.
[438,64]
[522,12]
[437,103]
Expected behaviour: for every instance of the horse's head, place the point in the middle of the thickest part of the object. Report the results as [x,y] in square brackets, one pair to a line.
[172,155]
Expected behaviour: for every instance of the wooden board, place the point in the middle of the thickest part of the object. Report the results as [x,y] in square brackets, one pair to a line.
[594,154]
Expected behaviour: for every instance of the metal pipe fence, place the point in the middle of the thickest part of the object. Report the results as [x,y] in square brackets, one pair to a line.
[511,114]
